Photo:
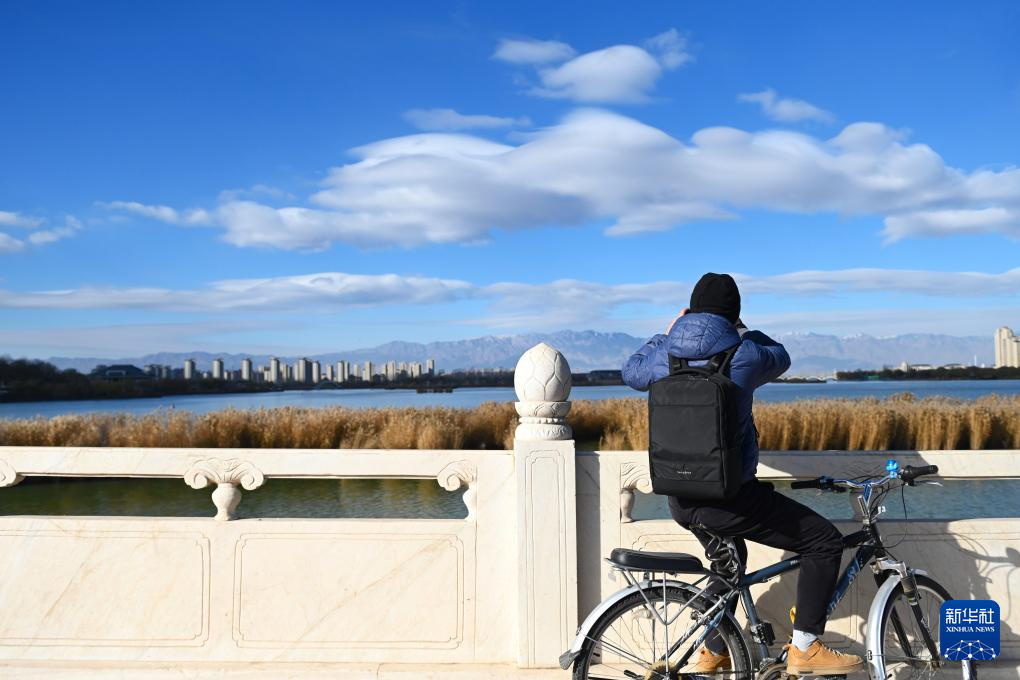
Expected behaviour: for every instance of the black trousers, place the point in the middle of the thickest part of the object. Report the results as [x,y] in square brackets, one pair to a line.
[761,514]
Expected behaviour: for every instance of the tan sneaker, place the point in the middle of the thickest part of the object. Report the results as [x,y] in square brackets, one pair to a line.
[821,660]
[707,663]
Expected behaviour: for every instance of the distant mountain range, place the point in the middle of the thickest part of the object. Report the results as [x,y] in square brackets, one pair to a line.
[812,354]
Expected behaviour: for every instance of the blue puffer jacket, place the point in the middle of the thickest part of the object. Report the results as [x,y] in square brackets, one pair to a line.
[758,360]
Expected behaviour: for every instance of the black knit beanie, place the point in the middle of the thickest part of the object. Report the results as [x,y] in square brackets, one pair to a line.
[717,294]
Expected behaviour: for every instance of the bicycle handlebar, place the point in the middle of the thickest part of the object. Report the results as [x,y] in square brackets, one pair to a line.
[908,474]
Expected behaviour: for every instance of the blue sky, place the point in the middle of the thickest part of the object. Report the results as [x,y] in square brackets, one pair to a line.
[305,177]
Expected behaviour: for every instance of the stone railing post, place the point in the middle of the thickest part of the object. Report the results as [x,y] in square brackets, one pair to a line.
[546,509]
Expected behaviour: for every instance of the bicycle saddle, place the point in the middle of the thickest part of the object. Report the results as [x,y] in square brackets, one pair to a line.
[641,560]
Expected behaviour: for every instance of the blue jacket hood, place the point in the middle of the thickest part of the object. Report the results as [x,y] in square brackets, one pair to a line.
[702,335]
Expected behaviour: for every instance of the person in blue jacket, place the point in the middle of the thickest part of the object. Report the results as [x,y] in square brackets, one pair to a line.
[758,512]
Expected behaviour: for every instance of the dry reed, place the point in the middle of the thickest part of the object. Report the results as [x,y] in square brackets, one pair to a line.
[900,422]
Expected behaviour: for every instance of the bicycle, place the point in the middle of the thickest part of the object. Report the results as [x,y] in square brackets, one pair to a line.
[637,633]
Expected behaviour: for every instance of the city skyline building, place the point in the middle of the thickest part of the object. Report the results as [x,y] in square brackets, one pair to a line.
[1007,348]
[302,370]
[312,372]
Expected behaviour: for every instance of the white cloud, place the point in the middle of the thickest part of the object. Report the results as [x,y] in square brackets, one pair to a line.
[622,73]
[329,290]
[162,213]
[618,74]
[16,219]
[874,280]
[449,120]
[45,236]
[9,244]
[599,166]
[784,109]
[950,221]
[39,237]
[530,51]
[671,48]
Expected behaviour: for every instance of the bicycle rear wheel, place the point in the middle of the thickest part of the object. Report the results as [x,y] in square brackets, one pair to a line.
[903,647]
[630,641]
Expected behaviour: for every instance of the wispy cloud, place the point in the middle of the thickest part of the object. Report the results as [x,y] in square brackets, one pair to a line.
[9,244]
[560,301]
[786,109]
[449,120]
[38,237]
[163,213]
[671,48]
[331,290]
[16,219]
[530,51]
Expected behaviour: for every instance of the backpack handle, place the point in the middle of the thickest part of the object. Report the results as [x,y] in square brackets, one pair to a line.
[717,363]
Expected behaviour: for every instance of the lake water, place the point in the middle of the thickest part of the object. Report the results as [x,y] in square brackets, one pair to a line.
[421,498]
[470,397]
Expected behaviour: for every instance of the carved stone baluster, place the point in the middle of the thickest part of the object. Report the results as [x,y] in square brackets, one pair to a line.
[633,476]
[226,475]
[457,474]
[546,509]
[8,475]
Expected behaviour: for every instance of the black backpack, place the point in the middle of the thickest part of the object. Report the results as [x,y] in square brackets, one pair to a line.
[693,443]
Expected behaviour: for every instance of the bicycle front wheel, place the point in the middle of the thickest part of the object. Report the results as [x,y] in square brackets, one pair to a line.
[903,646]
[631,639]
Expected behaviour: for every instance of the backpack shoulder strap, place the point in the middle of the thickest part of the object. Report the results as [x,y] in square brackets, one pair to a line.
[677,364]
[720,363]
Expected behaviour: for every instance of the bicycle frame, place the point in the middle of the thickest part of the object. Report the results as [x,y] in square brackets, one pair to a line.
[866,552]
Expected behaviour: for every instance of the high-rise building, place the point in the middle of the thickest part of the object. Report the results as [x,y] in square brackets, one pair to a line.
[343,371]
[274,371]
[355,371]
[415,369]
[316,377]
[302,371]
[217,369]
[189,369]
[391,370]
[329,373]
[366,374]
[1007,349]
[430,366]
[246,369]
